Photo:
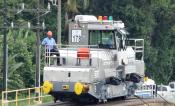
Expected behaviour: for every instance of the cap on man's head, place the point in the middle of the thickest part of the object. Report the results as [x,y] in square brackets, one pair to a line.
[49,33]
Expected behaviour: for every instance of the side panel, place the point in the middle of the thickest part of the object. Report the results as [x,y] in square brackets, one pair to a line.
[130,69]
[140,67]
[67,74]
[116,91]
[78,34]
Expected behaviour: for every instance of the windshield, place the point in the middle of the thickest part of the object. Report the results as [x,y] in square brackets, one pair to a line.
[172,85]
[161,88]
[103,39]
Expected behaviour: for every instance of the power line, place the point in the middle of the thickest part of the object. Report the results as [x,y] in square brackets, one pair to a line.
[5,45]
[57,3]
[23,24]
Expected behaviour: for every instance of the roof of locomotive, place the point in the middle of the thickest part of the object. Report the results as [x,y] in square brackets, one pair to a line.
[94,24]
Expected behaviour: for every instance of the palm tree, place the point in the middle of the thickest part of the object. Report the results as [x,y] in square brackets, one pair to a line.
[21,54]
[72,8]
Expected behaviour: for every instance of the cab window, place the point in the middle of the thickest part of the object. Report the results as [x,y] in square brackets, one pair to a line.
[172,85]
[102,39]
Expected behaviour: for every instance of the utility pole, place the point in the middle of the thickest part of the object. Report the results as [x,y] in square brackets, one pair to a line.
[5,50]
[57,3]
[59,22]
[37,75]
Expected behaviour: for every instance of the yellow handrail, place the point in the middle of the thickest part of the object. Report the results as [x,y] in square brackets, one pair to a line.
[2,99]
[29,97]
[16,100]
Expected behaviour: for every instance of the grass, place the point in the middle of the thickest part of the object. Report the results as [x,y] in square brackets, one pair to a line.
[32,101]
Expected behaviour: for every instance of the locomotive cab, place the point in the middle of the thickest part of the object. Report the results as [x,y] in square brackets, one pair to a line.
[99,63]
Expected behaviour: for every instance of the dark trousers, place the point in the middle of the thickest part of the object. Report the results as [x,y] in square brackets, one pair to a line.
[53,52]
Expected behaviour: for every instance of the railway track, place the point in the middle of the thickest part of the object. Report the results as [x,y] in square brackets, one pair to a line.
[59,104]
[127,102]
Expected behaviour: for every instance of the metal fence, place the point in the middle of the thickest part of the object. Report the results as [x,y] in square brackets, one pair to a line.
[146,91]
[70,55]
[30,96]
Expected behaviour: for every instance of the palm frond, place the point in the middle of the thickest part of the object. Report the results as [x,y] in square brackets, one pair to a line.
[71,6]
[26,34]
[85,4]
[14,67]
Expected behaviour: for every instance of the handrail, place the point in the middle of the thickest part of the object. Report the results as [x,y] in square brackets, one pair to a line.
[64,55]
[50,60]
[146,88]
[29,96]
[138,47]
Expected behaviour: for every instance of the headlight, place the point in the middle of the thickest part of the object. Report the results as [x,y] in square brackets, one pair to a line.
[47,87]
[80,88]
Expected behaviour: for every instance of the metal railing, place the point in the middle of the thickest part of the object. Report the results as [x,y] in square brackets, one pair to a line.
[146,91]
[52,55]
[138,47]
[68,55]
[23,95]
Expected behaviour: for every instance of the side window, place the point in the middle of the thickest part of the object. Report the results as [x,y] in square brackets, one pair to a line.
[108,39]
[158,88]
[164,89]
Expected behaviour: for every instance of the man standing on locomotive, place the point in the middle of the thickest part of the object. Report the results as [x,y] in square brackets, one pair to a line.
[51,48]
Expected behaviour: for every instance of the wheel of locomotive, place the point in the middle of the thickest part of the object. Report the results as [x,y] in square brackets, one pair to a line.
[86,100]
[124,97]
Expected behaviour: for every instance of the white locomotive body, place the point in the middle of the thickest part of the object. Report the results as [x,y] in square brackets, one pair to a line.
[99,63]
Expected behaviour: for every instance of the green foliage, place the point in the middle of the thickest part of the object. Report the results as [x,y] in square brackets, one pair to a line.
[21,48]
[152,20]
[21,58]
